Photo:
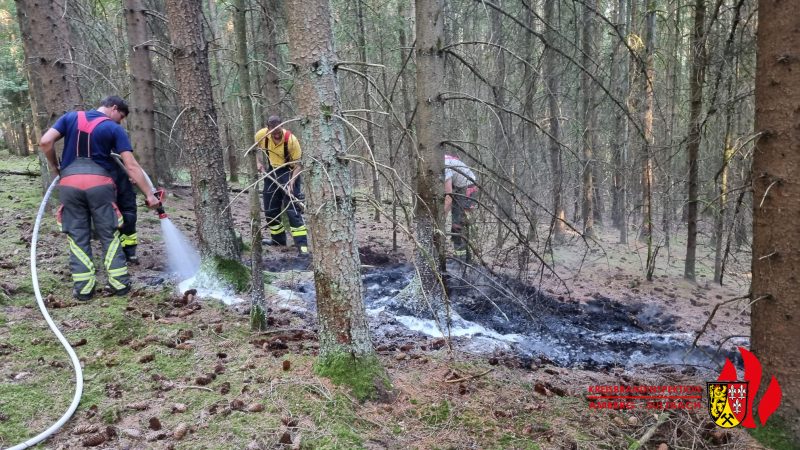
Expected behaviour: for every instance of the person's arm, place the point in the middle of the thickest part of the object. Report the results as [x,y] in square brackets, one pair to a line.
[295,153]
[448,195]
[46,143]
[136,174]
[260,135]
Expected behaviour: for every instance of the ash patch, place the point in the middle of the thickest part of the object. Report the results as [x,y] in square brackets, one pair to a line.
[493,314]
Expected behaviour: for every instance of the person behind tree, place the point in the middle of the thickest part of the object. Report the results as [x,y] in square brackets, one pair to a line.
[283,159]
[88,193]
[460,191]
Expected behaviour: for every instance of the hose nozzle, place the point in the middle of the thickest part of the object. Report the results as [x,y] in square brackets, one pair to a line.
[160,194]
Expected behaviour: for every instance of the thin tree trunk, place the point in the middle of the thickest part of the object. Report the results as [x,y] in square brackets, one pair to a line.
[621,127]
[201,137]
[646,232]
[229,144]
[405,10]
[142,121]
[362,50]
[258,309]
[502,133]
[588,123]
[550,65]
[696,82]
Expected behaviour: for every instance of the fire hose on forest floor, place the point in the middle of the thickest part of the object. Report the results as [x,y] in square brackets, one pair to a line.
[76,365]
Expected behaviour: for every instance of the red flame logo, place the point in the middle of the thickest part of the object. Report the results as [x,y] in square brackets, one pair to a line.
[752,374]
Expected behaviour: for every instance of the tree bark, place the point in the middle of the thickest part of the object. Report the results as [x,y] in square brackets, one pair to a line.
[646,232]
[428,213]
[53,85]
[201,137]
[258,309]
[588,122]
[550,65]
[343,325]
[696,83]
[776,203]
[365,93]
[621,126]
[142,124]
[226,138]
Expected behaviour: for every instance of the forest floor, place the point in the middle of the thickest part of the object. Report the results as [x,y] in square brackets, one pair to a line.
[163,374]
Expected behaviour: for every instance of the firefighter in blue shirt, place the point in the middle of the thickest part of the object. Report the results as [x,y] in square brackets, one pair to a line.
[88,192]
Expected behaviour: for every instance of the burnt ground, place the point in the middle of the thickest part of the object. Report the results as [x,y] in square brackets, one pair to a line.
[192,365]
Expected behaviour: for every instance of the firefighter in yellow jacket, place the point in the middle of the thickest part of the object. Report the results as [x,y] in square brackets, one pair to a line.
[282,183]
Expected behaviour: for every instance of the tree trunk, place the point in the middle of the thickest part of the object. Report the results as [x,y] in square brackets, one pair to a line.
[588,122]
[201,137]
[503,157]
[343,329]
[272,87]
[53,84]
[362,51]
[550,65]
[258,309]
[696,83]
[224,122]
[142,124]
[776,203]
[620,136]
[646,232]
[428,213]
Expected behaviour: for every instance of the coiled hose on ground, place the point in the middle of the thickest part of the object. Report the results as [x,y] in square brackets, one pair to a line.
[72,356]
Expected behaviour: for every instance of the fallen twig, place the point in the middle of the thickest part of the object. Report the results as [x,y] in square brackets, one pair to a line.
[650,432]
[471,377]
[711,317]
[196,387]
[15,172]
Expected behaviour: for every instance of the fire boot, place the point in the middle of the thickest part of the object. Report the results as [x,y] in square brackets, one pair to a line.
[130,255]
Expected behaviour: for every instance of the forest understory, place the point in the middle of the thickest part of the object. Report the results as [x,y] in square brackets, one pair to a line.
[164,369]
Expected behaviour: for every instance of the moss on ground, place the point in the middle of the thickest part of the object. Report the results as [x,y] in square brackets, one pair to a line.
[365,376]
[233,273]
[775,435]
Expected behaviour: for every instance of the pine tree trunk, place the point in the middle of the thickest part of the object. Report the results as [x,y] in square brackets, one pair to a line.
[696,82]
[621,127]
[224,122]
[343,325]
[52,83]
[776,204]
[503,157]
[142,123]
[549,68]
[258,309]
[646,232]
[362,51]
[428,213]
[201,137]
[272,88]
[588,123]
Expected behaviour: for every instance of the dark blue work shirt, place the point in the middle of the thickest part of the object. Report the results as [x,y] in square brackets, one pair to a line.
[107,137]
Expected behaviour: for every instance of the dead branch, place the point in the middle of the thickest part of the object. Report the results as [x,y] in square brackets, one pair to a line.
[16,172]
[471,377]
[711,316]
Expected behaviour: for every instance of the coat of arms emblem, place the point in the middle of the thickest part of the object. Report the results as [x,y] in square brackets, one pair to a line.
[727,402]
